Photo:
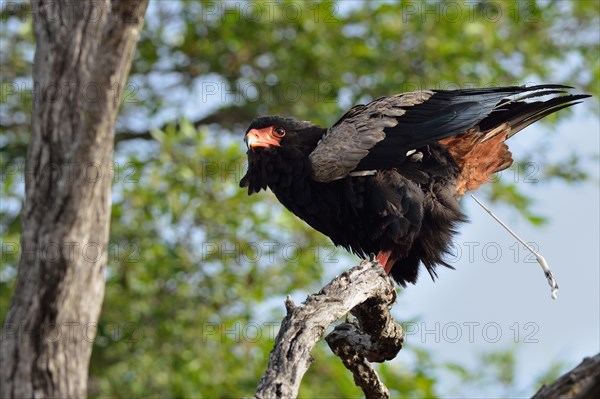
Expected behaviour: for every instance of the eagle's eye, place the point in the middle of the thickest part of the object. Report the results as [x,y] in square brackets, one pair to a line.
[278,131]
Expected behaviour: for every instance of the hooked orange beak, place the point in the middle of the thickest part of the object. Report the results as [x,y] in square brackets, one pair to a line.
[262,138]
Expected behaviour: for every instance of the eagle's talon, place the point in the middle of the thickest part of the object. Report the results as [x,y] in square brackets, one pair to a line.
[391,297]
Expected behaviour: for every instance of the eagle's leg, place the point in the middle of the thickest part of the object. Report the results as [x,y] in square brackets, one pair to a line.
[386,259]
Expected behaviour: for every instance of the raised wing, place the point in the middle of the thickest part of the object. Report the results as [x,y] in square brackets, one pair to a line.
[379,134]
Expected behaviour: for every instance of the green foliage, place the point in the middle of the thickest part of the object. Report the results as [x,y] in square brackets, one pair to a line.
[189,290]
[198,270]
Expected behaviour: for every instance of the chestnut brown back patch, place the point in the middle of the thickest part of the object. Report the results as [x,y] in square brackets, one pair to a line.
[478,155]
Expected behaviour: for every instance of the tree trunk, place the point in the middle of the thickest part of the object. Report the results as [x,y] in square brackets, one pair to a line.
[83,55]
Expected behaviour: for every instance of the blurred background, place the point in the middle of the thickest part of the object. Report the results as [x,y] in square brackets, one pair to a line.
[198,271]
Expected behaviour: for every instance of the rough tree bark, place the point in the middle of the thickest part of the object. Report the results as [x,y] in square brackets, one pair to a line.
[366,291]
[580,383]
[83,55]
[373,337]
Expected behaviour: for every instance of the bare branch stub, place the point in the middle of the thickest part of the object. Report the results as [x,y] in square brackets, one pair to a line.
[305,325]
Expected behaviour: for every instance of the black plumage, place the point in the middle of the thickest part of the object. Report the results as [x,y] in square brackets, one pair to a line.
[387,177]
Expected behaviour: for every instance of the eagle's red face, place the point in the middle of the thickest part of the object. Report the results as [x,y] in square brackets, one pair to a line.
[265,137]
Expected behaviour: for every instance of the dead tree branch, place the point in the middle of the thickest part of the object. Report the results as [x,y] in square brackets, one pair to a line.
[366,291]
[581,382]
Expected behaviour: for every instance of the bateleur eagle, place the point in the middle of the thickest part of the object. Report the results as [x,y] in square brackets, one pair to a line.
[387,177]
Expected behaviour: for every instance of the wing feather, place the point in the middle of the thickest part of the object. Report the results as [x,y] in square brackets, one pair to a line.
[379,134]
[347,142]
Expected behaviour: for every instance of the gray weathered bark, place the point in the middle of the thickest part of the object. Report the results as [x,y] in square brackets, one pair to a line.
[83,55]
[373,337]
[366,289]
